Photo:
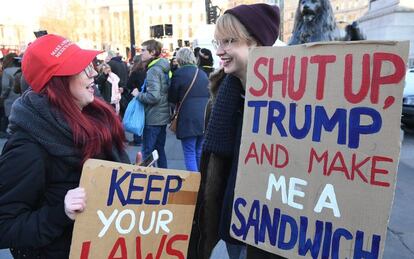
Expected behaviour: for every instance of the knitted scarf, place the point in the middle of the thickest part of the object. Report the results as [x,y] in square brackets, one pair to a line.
[221,134]
[32,113]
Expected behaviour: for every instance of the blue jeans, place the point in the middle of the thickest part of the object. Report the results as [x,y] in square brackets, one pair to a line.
[154,139]
[192,147]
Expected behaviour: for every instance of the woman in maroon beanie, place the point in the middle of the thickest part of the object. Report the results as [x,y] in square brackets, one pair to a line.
[237,31]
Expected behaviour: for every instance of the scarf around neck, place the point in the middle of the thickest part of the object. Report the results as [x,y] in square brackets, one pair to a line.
[33,114]
[221,132]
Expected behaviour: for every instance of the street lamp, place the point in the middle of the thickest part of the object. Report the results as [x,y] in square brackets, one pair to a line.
[131,28]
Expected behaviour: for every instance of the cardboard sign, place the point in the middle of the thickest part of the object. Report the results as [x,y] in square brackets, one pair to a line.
[320,148]
[134,211]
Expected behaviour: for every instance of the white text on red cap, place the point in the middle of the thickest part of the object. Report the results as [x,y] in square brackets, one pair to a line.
[61,48]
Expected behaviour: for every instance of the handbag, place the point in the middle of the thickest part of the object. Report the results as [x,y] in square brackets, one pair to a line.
[174,117]
[134,117]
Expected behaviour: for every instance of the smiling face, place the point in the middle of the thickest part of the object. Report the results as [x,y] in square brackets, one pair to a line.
[233,54]
[233,43]
[310,9]
[81,87]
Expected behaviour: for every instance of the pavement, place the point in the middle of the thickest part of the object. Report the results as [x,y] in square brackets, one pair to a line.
[400,236]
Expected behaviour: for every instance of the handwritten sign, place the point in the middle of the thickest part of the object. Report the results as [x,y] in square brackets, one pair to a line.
[134,212]
[320,147]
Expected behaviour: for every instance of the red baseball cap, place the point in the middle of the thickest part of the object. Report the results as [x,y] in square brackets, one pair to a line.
[52,55]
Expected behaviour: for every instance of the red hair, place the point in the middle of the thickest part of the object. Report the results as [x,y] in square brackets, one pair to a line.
[95,128]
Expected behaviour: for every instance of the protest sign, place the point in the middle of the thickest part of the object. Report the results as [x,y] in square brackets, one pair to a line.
[134,212]
[320,148]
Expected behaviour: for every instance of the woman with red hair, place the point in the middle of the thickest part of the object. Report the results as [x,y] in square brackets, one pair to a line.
[55,126]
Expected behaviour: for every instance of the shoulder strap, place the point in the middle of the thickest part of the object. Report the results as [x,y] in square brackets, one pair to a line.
[188,90]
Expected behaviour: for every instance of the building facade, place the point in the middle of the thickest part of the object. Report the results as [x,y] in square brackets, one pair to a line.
[17,25]
[390,20]
[104,24]
[107,22]
[110,25]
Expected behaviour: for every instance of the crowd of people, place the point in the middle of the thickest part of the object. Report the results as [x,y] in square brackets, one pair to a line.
[117,82]
[71,111]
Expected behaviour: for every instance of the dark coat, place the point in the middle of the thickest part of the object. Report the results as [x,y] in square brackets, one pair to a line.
[192,110]
[136,80]
[38,165]
[7,93]
[218,167]
[119,68]
[213,195]
[105,88]
[33,185]
[32,192]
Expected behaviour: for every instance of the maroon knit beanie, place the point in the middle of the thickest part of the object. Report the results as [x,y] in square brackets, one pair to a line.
[261,21]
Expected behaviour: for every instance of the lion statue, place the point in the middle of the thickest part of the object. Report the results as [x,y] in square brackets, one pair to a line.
[315,21]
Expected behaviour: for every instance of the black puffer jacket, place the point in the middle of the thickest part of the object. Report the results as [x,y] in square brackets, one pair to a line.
[33,185]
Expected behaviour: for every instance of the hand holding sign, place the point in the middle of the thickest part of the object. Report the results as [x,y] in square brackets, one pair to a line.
[321,131]
[75,202]
[133,211]
[138,158]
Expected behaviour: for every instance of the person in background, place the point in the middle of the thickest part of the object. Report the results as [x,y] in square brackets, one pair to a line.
[23,84]
[110,87]
[10,66]
[136,79]
[173,64]
[119,68]
[137,74]
[17,78]
[3,124]
[155,99]
[237,31]
[190,128]
[101,80]
[205,61]
[55,127]
[96,63]
[196,52]
[1,71]
[1,67]
[173,61]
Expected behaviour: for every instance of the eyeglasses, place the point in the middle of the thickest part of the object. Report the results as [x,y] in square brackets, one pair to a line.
[90,71]
[224,44]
